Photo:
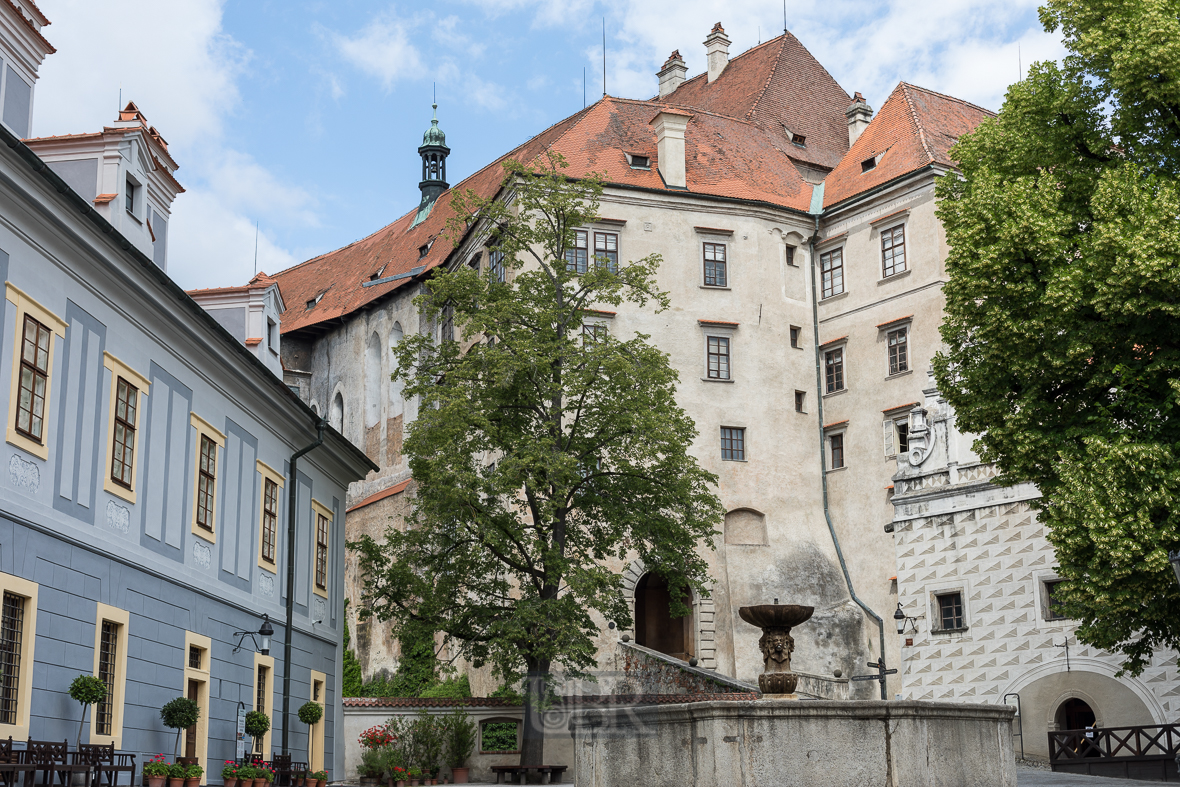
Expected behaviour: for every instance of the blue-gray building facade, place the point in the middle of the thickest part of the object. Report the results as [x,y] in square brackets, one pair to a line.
[143,513]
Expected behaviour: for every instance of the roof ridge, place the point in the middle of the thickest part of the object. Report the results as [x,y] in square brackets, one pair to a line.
[705,73]
[778,60]
[948,97]
[917,123]
[689,108]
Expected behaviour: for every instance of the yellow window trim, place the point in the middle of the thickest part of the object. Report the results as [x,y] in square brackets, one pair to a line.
[315,748]
[269,690]
[24,699]
[268,472]
[120,369]
[26,305]
[123,618]
[202,678]
[203,427]
[319,508]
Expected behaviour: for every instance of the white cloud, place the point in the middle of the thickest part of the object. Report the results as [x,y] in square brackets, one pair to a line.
[382,49]
[182,72]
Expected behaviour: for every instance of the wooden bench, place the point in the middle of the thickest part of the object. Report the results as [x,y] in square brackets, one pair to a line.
[518,773]
[12,763]
[54,761]
[106,763]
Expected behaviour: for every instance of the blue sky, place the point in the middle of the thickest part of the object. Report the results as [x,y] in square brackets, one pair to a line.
[304,115]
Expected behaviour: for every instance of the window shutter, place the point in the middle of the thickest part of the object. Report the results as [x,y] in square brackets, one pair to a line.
[887,430]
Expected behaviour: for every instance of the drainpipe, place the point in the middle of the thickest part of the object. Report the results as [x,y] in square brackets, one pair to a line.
[823,453]
[292,494]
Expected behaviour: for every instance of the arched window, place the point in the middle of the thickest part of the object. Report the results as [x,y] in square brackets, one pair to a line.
[655,627]
[373,380]
[395,387]
[336,418]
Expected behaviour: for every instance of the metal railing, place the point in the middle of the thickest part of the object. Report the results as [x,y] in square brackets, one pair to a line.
[1129,752]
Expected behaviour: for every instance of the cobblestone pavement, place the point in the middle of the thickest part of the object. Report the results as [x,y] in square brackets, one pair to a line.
[1034,777]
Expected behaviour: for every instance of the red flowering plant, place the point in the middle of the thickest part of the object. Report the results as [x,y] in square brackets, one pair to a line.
[376,737]
[156,767]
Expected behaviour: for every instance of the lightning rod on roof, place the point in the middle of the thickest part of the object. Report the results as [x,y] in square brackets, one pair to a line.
[784,16]
[255,247]
[604,56]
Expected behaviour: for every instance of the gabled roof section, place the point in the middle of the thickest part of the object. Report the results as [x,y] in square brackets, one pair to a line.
[724,157]
[915,128]
[777,84]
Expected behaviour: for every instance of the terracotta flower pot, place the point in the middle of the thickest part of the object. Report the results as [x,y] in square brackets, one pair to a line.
[261,783]
[175,782]
[229,782]
[460,775]
[156,781]
[192,781]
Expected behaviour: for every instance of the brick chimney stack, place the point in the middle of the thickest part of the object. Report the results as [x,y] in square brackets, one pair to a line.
[717,47]
[672,74]
[859,115]
[670,127]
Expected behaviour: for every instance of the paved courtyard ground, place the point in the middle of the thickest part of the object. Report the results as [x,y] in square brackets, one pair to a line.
[1032,777]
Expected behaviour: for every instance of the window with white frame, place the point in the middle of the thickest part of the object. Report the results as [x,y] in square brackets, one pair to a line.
[606,250]
[717,352]
[893,251]
[836,450]
[577,256]
[834,370]
[831,265]
[898,342]
[716,274]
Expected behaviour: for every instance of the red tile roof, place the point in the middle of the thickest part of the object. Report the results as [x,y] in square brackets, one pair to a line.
[384,493]
[261,281]
[724,157]
[915,127]
[777,82]
[29,24]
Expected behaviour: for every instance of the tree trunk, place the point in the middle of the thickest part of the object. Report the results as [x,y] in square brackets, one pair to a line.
[532,747]
[81,724]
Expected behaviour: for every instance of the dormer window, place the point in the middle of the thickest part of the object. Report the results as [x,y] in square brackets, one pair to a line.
[314,301]
[867,164]
[424,249]
[129,196]
[635,161]
[799,140]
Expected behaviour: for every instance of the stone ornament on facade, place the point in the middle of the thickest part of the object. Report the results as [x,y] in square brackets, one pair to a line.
[921,437]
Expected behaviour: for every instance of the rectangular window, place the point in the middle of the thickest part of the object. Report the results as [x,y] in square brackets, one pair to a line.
[1052,601]
[108,649]
[791,256]
[898,342]
[893,250]
[270,519]
[195,655]
[606,250]
[448,323]
[834,370]
[800,401]
[832,266]
[592,332]
[836,442]
[903,436]
[123,454]
[129,197]
[34,380]
[950,611]
[715,275]
[496,265]
[577,256]
[733,444]
[260,703]
[795,331]
[321,552]
[206,483]
[272,335]
[718,358]
[12,629]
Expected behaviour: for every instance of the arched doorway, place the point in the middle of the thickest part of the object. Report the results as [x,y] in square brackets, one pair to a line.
[1074,714]
[655,627]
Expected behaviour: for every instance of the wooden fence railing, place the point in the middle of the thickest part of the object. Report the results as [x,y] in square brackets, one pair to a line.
[1130,752]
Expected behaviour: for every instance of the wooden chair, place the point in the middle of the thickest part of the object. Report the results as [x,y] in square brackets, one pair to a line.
[106,762]
[12,762]
[53,761]
[281,764]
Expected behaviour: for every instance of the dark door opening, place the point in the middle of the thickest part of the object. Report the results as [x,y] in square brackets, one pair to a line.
[1074,714]
[655,627]
[190,733]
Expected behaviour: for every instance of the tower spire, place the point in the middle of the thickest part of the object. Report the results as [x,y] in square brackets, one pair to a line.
[434,152]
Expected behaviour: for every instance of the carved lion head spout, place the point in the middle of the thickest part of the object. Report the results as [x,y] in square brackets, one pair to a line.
[777,647]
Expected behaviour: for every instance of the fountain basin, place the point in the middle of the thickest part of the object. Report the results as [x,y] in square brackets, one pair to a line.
[778,616]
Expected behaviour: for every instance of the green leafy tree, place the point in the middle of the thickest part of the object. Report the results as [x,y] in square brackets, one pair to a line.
[87,690]
[1063,309]
[180,714]
[543,457]
[310,713]
[257,725]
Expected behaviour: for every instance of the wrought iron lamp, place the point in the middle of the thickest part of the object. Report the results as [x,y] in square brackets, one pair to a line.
[265,632]
[903,620]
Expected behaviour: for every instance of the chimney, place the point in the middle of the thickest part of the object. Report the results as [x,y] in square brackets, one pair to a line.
[669,127]
[672,74]
[859,115]
[717,48]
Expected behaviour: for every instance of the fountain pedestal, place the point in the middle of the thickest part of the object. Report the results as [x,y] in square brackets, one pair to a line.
[776,622]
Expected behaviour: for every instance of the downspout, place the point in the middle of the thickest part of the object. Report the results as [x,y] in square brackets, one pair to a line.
[292,494]
[823,454]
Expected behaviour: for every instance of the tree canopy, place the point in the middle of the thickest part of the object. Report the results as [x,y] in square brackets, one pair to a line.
[1063,309]
[545,452]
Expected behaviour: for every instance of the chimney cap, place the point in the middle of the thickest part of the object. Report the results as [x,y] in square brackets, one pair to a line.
[717,28]
[672,58]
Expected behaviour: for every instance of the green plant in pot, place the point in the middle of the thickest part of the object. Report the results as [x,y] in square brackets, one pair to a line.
[310,714]
[177,773]
[257,725]
[193,774]
[460,732]
[179,714]
[87,690]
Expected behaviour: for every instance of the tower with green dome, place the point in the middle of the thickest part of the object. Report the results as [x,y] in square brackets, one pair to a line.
[434,152]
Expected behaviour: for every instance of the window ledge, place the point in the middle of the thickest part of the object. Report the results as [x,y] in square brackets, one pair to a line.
[715,380]
[713,287]
[132,215]
[899,374]
[835,393]
[949,631]
[739,461]
[837,469]
[835,297]
[891,277]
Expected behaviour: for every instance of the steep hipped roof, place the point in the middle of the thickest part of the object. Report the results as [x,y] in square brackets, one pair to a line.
[916,127]
[778,83]
[724,157]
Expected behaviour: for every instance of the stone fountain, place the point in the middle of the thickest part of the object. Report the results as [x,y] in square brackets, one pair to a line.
[776,621]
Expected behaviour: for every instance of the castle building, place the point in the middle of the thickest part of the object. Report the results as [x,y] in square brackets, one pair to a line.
[805,264]
[148,465]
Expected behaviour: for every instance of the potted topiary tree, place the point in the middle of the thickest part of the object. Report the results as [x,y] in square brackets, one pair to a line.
[179,714]
[87,690]
[257,725]
[460,734]
[310,713]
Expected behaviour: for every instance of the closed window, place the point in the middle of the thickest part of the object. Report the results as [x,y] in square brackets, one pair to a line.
[791,256]
[108,651]
[593,332]
[123,453]
[1052,603]
[836,446]
[898,341]
[321,552]
[496,265]
[950,611]
[795,332]
[893,250]
[130,196]
[606,250]
[718,358]
[448,323]
[260,702]
[733,444]
[832,267]
[715,273]
[270,519]
[196,657]
[206,483]
[800,401]
[834,370]
[577,256]
[34,380]
[12,653]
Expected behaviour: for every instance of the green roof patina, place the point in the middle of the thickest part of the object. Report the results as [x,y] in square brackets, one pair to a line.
[434,135]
